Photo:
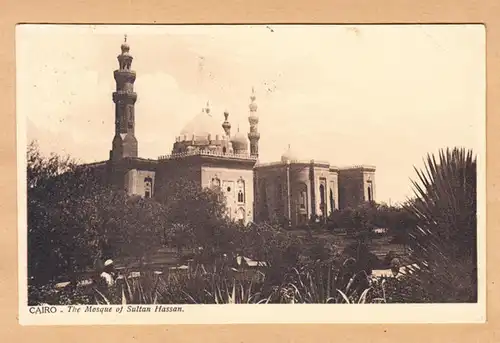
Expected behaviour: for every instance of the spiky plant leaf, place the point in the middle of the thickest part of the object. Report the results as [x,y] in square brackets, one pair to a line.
[443,243]
[124,298]
[344,296]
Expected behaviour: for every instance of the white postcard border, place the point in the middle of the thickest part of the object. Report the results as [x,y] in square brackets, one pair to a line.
[257,314]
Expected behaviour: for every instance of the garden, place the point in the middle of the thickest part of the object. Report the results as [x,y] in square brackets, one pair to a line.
[182,249]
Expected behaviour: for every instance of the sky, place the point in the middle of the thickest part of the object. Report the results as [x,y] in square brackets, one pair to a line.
[382,95]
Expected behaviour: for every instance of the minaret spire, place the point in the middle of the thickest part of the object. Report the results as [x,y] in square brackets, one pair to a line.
[253,119]
[207,108]
[226,125]
[124,142]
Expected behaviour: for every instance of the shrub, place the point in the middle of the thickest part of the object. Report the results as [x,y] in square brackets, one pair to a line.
[403,289]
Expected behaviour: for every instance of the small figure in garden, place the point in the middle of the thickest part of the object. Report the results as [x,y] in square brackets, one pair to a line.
[108,274]
[395,265]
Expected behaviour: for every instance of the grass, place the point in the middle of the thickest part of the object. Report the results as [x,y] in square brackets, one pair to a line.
[320,283]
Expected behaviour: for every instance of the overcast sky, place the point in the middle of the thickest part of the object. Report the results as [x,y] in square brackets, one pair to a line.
[381,95]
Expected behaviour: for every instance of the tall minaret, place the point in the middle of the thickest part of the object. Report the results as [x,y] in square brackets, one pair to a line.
[253,119]
[124,142]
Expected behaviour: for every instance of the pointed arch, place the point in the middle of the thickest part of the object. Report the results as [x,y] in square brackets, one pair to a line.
[148,187]
[332,200]
[302,196]
[240,185]
[303,207]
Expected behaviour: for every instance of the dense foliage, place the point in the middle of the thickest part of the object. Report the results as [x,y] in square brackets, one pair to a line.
[370,216]
[444,240]
[221,284]
[75,222]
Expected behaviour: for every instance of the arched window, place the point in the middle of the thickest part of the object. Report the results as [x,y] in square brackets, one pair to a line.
[302,200]
[148,187]
[224,150]
[369,193]
[322,199]
[241,190]
[302,196]
[322,194]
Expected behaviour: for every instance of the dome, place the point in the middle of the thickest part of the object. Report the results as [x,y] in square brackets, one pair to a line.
[202,126]
[239,141]
[289,155]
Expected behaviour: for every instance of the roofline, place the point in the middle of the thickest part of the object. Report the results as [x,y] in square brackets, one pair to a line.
[94,164]
[294,162]
[363,167]
[210,154]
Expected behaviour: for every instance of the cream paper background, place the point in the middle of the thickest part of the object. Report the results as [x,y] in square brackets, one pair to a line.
[51,134]
[210,11]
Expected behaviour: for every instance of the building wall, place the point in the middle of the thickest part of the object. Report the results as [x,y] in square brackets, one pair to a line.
[269,193]
[231,181]
[350,188]
[353,187]
[278,192]
[304,197]
[170,172]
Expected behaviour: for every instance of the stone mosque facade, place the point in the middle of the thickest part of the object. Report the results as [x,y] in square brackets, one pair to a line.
[208,152]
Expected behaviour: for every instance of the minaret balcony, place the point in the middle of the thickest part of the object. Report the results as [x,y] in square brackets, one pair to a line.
[253,135]
[253,120]
[124,95]
[124,75]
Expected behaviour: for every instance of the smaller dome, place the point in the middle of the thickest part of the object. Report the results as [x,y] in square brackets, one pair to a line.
[239,141]
[289,155]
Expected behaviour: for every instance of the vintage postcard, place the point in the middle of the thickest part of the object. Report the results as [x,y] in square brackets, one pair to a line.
[214,174]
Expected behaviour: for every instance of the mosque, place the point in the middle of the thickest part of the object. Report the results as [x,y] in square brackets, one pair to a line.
[209,153]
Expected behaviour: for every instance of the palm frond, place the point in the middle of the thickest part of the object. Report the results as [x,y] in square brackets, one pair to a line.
[443,242]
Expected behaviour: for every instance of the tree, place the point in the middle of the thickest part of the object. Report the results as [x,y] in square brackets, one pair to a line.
[277,247]
[75,219]
[443,241]
[53,185]
[142,222]
[197,218]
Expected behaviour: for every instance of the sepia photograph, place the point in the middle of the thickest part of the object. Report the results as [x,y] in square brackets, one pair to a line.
[167,171]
